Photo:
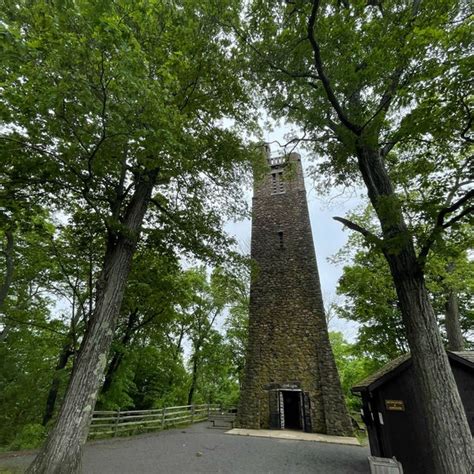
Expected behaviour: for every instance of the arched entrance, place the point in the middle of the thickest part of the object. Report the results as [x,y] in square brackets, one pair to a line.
[289,408]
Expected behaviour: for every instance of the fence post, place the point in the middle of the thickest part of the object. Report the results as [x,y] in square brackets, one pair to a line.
[163,414]
[117,419]
[208,410]
[192,414]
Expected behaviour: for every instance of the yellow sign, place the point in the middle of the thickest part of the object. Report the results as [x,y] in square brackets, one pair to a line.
[395,405]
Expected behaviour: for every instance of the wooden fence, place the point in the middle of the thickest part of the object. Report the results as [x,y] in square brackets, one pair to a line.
[106,423]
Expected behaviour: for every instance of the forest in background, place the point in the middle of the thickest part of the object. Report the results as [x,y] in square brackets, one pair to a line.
[182,331]
[180,339]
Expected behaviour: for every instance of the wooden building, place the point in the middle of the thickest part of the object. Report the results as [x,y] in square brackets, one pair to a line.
[392,410]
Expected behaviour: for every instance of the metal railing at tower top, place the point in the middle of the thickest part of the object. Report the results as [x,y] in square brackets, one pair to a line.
[113,423]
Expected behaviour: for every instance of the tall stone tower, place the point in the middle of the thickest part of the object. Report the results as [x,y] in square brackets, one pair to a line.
[291,379]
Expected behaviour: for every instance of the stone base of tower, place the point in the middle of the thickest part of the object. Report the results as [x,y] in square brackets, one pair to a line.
[291,380]
[289,405]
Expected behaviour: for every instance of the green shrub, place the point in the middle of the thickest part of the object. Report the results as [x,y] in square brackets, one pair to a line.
[31,436]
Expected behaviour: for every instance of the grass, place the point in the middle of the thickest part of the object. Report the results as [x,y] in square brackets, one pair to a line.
[10,470]
[362,438]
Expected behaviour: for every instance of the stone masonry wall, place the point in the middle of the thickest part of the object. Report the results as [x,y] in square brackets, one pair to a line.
[288,338]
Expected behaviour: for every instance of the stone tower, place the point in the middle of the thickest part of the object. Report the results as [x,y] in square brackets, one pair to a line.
[291,380]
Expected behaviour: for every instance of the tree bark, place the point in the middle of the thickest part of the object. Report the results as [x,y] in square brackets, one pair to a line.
[66,352]
[118,354]
[453,326]
[448,434]
[68,349]
[9,267]
[193,380]
[5,287]
[62,451]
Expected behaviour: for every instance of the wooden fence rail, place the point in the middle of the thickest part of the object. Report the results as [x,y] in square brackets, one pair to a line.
[117,422]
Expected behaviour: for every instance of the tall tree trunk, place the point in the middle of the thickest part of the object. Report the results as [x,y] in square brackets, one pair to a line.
[9,267]
[66,352]
[62,451]
[112,370]
[453,326]
[5,287]
[90,283]
[193,380]
[448,434]
[118,354]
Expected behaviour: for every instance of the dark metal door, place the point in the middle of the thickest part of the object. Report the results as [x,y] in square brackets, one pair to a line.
[274,405]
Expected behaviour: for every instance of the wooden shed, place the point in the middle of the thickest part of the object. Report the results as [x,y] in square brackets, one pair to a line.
[392,410]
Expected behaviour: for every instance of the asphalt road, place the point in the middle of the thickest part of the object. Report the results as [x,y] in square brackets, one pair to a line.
[197,449]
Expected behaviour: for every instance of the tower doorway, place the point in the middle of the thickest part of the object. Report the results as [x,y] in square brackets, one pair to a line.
[292,409]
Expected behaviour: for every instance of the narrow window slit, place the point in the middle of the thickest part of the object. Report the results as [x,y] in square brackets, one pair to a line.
[280,239]
[278,183]
[274,183]
[281,183]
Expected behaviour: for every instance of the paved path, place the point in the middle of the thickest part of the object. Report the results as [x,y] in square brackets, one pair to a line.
[197,449]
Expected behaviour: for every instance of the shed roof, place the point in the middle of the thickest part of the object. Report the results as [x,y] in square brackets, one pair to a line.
[463,356]
[400,364]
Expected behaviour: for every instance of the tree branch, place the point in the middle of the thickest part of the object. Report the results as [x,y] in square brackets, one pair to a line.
[293,74]
[32,324]
[441,224]
[387,96]
[322,75]
[469,210]
[389,93]
[25,144]
[370,237]
[468,127]
[66,274]
[148,320]
[388,147]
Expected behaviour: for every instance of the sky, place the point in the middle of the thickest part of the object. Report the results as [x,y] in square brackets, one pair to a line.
[329,236]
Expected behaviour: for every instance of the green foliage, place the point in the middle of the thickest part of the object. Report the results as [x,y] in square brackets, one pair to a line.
[26,369]
[97,98]
[216,382]
[117,91]
[30,340]
[159,381]
[352,367]
[371,301]
[235,285]
[31,436]
[177,310]
[171,306]
[323,67]
[370,298]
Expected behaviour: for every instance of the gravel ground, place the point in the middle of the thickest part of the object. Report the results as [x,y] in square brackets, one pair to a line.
[197,449]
